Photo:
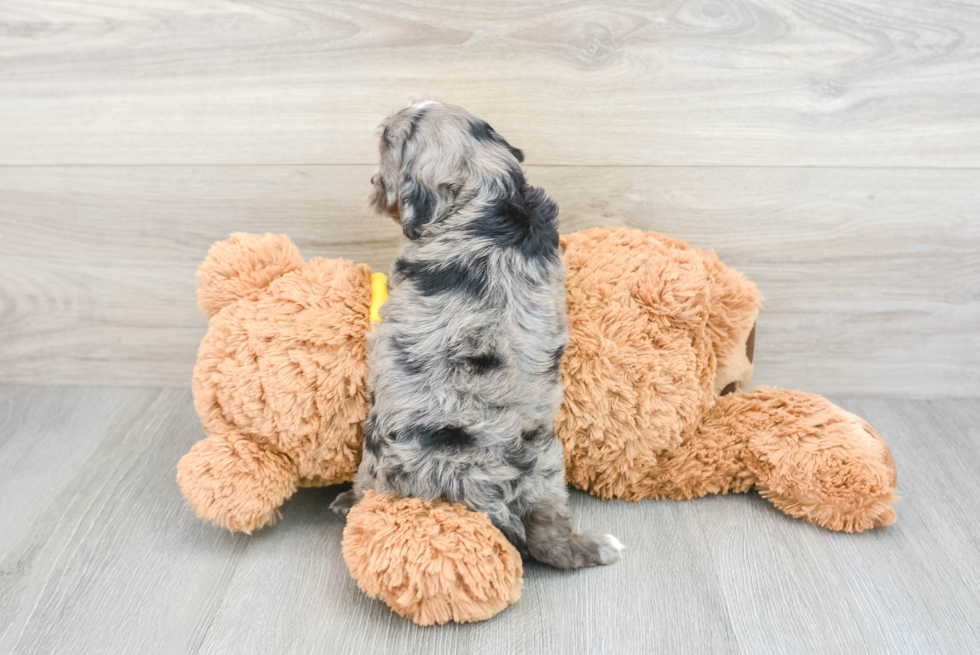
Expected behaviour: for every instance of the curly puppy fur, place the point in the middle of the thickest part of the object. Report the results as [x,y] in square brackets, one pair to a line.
[464,369]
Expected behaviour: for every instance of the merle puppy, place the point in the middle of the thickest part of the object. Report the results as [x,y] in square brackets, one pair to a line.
[464,367]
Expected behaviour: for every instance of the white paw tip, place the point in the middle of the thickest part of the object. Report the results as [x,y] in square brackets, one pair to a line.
[248,532]
[615,543]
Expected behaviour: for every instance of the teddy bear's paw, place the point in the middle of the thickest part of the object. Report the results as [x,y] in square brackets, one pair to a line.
[431,562]
[236,483]
[843,515]
[818,462]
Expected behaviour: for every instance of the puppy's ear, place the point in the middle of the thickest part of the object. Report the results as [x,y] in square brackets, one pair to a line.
[420,205]
[417,206]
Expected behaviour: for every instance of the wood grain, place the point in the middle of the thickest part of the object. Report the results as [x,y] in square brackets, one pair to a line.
[871,277]
[98,554]
[908,588]
[87,560]
[672,82]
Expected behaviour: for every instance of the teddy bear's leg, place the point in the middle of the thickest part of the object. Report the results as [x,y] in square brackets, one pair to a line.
[236,483]
[813,460]
[710,461]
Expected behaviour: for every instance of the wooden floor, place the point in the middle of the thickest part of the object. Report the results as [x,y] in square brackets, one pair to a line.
[98,554]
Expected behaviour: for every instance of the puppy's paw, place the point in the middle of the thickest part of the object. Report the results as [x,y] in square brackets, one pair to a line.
[610,549]
[343,503]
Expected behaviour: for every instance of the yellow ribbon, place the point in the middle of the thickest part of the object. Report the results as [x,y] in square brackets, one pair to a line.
[379,294]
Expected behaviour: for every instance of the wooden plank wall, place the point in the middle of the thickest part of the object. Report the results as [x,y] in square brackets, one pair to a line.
[830,150]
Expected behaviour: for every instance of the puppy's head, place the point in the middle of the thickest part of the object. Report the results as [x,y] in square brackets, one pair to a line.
[434,158]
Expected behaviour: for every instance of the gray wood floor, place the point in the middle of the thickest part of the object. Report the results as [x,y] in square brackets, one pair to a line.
[99,555]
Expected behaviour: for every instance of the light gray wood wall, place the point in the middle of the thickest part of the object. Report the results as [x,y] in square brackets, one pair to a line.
[829,150]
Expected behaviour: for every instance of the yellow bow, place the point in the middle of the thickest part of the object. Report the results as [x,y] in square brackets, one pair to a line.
[379,294]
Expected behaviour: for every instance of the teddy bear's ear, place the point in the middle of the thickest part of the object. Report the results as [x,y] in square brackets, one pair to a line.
[676,286]
[735,304]
[242,267]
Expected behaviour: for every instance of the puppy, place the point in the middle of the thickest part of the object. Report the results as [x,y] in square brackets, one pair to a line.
[464,380]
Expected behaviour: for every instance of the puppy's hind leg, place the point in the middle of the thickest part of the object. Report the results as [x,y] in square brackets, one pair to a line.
[512,527]
[550,539]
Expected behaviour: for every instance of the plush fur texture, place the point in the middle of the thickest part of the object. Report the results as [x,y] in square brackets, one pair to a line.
[281,389]
[431,562]
[643,418]
[280,381]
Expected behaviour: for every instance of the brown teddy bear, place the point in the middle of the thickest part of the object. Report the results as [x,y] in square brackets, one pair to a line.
[662,339]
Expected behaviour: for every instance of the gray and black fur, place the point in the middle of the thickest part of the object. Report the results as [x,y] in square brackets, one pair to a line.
[464,378]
